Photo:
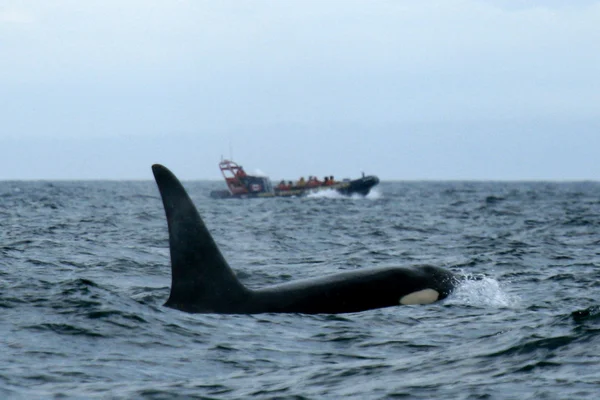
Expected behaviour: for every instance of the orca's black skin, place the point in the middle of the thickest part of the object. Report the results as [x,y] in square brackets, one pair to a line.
[203,282]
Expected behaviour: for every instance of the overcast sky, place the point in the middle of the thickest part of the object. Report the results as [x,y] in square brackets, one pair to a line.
[448,89]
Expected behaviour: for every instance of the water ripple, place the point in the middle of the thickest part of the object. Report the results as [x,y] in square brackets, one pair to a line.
[84,271]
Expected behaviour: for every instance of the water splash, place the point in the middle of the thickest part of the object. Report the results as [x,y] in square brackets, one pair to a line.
[326,194]
[374,194]
[258,172]
[483,292]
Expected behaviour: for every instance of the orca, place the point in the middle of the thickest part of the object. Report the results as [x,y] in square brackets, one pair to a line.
[203,282]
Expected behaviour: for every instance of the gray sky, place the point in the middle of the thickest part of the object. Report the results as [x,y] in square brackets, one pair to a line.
[447,89]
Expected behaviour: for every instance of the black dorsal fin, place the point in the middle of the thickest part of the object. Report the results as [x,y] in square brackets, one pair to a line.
[201,279]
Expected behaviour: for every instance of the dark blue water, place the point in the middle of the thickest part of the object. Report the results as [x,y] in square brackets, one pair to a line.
[84,270]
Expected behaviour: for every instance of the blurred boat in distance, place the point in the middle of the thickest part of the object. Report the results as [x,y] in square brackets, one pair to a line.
[242,185]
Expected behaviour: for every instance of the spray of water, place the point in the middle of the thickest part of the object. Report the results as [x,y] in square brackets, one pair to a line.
[326,194]
[258,172]
[483,292]
[374,194]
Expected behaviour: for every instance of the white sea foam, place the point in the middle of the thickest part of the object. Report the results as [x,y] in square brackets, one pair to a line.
[374,194]
[486,292]
[326,194]
[258,172]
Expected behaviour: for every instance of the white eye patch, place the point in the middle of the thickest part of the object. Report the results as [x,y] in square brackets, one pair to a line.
[425,296]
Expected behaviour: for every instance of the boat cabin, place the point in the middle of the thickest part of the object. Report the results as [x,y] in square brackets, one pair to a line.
[240,183]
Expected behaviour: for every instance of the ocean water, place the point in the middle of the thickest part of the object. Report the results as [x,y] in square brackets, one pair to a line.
[84,271]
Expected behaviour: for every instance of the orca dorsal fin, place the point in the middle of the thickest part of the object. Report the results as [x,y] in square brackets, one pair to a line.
[201,279]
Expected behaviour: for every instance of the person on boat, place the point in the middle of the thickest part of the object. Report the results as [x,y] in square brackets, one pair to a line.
[301,182]
[329,181]
[240,173]
[283,186]
[313,182]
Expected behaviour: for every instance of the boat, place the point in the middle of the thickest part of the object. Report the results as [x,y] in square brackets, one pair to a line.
[241,185]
